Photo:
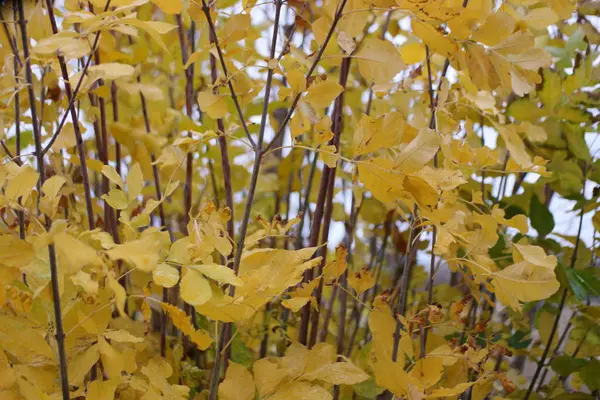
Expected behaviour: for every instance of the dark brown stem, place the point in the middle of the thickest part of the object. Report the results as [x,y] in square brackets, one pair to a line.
[20,214]
[305,203]
[225,163]
[561,340]
[336,19]
[432,125]
[313,242]
[561,305]
[163,222]
[11,39]
[226,167]
[337,125]
[78,136]
[109,215]
[212,31]
[226,332]
[60,337]
[189,102]
[73,98]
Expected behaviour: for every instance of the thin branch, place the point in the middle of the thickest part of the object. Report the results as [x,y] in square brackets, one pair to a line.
[71,106]
[11,39]
[226,332]
[561,305]
[337,125]
[211,26]
[336,19]
[189,76]
[78,136]
[60,337]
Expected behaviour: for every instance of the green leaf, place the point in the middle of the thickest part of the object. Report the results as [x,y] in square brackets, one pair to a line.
[517,340]
[590,375]
[566,365]
[574,396]
[368,389]
[542,219]
[240,353]
[576,143]
[583,283]
[551,89]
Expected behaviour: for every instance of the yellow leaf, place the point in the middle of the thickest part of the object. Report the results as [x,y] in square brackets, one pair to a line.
[194,58]
[420,190]
[434,39]
[238,384]
[296,303]
[169,6]
[516,43]
[515,145]
[427,371]
[214,105]
[135,181]
[413,52]
[524,282]
[117,199]
[15,252]
[391,375]
[419,151]
[102,390]
[81,365]
[110,71]
[73,254]
[22,184]
[321,365]
[112,360]
[66,139]
[236,28]
[297,81]
[381,177]
[182,322]
[329,156]
[320,28]
[532,59]
[361,281]
[120,294]
[8,375]
[382,325]
[267,376]
[122,336]
[378,60]
[142,253]
[299,124]
[448,392]
[519,221]
[346,42]
[153,28]
[219,273]
[336,268]
[373,134]
[301,391]
[497,27]
[322,94]
[195,289]
[165,275]
[85,280]
[52,186]
[534,255]
[540,18]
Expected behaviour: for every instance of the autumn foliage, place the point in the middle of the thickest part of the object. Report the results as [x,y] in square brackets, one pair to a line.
[311,200]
